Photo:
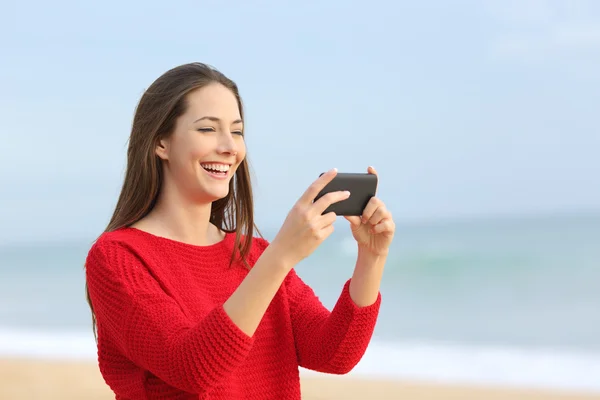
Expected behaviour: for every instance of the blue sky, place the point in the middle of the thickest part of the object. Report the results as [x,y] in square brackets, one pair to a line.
[464,107]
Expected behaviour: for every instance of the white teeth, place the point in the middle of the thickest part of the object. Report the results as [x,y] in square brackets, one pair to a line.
[216,167]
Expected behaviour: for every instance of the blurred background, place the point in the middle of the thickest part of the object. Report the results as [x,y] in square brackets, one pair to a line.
[481,118]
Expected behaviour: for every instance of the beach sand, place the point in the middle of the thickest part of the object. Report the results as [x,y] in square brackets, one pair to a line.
[31,379]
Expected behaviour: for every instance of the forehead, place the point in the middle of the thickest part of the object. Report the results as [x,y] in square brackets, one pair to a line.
[213,100]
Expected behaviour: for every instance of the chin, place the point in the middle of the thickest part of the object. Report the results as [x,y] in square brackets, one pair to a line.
[210,195]
[209,190]
[219,197]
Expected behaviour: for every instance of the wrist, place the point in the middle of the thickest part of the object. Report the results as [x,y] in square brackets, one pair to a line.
[365,252]
[369,260]
[277,258]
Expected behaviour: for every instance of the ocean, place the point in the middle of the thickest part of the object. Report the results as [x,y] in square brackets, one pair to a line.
[507,301]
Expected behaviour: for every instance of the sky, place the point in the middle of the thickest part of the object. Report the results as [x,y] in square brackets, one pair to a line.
[466,108]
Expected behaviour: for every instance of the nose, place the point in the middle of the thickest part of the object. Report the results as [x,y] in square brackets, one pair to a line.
[227,144]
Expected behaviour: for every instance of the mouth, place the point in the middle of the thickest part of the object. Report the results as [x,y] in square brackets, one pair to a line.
[217,170]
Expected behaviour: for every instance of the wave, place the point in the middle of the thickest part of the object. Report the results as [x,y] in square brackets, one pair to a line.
[52,344]
[416,361]
[482,365]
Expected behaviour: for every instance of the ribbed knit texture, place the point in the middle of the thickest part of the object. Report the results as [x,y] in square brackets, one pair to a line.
[163,332]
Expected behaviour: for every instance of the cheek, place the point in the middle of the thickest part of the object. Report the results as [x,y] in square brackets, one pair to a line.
[196,149]
[185,156]
[241,150]
[195,153]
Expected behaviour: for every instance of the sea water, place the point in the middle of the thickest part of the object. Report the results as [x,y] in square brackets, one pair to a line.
[513,302]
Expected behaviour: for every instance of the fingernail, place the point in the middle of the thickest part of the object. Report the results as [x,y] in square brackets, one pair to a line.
[347,193]
[334,170]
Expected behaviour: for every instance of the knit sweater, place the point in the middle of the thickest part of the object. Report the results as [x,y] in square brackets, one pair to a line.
[163,332]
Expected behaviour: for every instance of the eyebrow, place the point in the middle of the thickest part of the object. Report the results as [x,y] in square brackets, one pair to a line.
[215,119]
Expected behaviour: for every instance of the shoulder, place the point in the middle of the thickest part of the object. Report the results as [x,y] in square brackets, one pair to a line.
[121,246]
[123,236]
[118,262]
[131,240]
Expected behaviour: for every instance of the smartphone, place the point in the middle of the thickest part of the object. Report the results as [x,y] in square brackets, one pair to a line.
[362,186]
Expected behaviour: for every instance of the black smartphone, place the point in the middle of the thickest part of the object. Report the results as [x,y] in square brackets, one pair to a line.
[362,186]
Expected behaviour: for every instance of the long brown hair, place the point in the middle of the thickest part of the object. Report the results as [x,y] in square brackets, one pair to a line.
[155,118]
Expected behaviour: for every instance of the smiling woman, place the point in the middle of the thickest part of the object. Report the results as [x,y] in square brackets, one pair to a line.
[205,151]
[218,169]
[186,302]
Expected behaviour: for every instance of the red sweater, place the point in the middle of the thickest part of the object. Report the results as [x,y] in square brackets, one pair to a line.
[163,333]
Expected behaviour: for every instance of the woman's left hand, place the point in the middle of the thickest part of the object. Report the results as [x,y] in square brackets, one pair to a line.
[373,231]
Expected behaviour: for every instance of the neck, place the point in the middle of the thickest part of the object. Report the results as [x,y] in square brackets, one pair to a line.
[181,219]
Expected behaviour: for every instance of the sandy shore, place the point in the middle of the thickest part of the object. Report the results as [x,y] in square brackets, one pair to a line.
[27,379]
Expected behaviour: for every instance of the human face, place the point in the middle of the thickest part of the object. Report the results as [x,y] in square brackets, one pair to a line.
[206,147]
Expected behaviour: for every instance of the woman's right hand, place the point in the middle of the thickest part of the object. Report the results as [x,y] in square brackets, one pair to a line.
[305,226]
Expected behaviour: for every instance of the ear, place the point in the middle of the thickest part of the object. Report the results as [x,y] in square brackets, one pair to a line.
[162,149]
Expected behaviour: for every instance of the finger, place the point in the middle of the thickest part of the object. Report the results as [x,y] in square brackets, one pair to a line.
[369,210]
[326,219]
[318,185]
[387,225]
[380,214]
[326,232]
[372,170]
[354,220]
[330,198]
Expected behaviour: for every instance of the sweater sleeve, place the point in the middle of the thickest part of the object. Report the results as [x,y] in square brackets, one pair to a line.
[331,342]
[150,328]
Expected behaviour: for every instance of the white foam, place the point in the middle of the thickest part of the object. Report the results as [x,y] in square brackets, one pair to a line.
[430,362]
[503,366]
[53,345]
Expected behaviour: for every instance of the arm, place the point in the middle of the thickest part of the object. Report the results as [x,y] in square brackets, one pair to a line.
[248,304]
[359,302]
[366,279]
[150,328]
[331,342]
[373,232]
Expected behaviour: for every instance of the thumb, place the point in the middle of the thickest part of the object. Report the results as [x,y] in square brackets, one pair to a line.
[354,220]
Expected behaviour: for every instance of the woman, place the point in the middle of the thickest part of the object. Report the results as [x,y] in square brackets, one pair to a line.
[186,302]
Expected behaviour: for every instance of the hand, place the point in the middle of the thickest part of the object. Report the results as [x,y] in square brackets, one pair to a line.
[374,230]
[306,227]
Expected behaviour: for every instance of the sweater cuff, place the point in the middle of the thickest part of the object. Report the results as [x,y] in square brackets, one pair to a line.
[231,344]
[351,307]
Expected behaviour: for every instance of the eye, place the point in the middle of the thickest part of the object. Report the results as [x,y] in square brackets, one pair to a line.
[206,129]
[238,133]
